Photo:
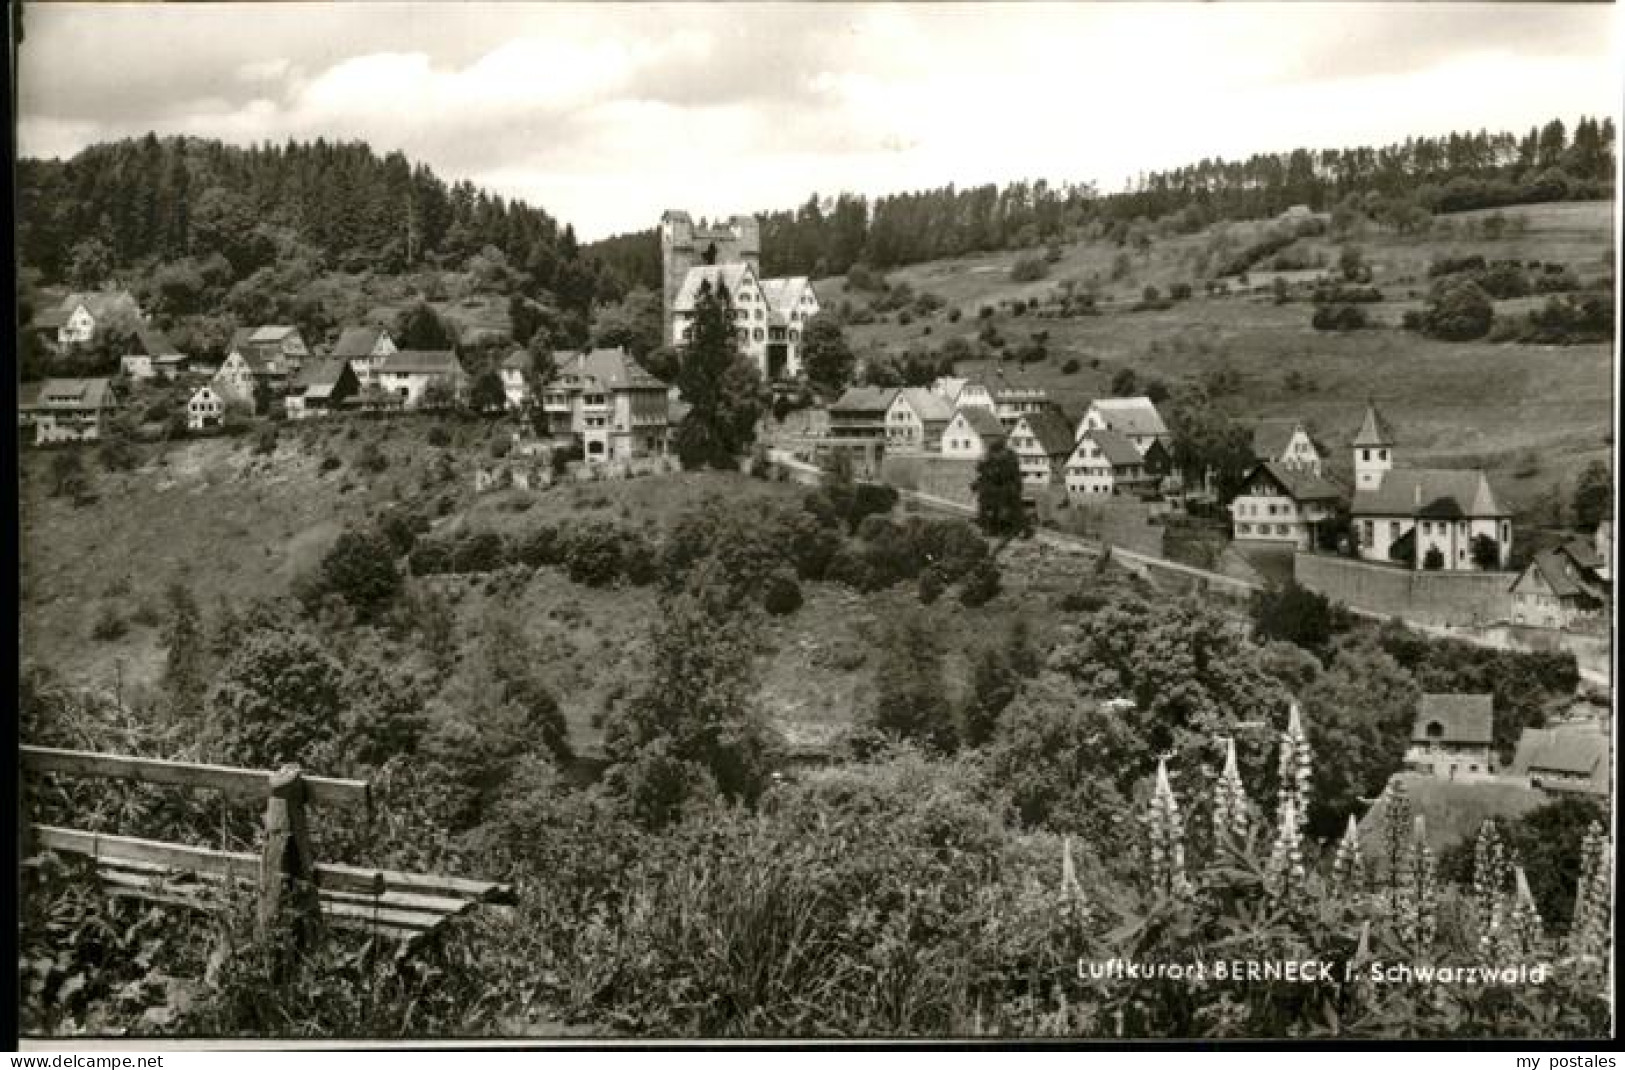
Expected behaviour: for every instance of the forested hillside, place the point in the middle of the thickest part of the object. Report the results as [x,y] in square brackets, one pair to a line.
[1406,181]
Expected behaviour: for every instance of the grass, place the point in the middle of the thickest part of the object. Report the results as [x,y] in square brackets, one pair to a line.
[1483,404]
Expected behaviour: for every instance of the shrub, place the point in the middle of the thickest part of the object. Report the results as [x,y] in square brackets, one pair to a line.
[1339,318]
[360,568]
[329,463]
[592,554]
[980,585]
[483,551]
[109,625]
[1070,367]
[1028,269]
[782,594]
[438,437]
[265,440]
[932,585]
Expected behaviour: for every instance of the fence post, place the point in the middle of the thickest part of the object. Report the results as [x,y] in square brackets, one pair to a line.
[287,869]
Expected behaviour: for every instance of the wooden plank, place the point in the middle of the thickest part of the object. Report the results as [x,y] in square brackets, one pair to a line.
[347,880]
[404,919]
[409,900]
[128,848]
[229,780]
[458,887]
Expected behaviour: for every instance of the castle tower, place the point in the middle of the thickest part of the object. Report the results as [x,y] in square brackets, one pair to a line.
[683,246]
[1373,450]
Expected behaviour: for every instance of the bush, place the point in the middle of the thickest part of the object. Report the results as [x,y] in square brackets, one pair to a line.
[109,625]
[1029,269]
[592,554]
[1339,318]
[360,568]
[1070,366]
[980,585]
[782,594]
[483,551]
[932,585]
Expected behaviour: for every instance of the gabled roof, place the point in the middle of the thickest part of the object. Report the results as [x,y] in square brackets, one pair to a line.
[74,394]
[422,362]
[1566,577]
[1299,484]
[520,360]
[357,342]
[1438,493]
[51,319]
[998,383]
[152,342]
[948,386]
[1463,718]
[1114,446]
[270,334]
[606,369]
[1579,751]
[1051,429]
[1271,437]
[317,378]
[1374,430]
[928,407]
[1583,552]
[1131,416]
[865,399]
[728,275]
[983,422]
[782,294]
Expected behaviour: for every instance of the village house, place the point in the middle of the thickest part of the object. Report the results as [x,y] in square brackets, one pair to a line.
[407,376]
[1135,418]
[151,355]
[365,348]
[205,409]
[517,370]
[280,347]
[321,388]
[861,412]
[769,315]
[916,419]
[1452,736]
[1011,400]
[1284,503]
[1104,464]
[1563,587]
[1042,441]
[972,433]
[1287,443]
[79,316]
[244,372]
[70,410]
[604,401]
[1423,515]
[1565,760]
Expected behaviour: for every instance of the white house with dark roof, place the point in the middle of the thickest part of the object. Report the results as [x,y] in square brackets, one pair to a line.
[1453,736]
[972,433]
[916,419]
[1042,442]
[279,346]
[965,393]
[516,370]
[606,402]
[1104,464]
[69,410]
[365,348]
[1282,503]
[1136,418]
[406,375]
[769,315]
[860,412]
[1404,513]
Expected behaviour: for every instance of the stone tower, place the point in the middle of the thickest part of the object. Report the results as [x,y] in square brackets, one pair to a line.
[1373,450]
[684,245]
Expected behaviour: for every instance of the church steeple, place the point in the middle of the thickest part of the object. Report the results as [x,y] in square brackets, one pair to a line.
[1373,449]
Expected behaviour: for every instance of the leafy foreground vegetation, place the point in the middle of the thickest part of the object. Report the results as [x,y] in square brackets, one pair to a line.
[945,876]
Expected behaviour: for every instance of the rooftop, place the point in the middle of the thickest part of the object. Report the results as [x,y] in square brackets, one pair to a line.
[1131,416]
[1447,493]
[1460,719]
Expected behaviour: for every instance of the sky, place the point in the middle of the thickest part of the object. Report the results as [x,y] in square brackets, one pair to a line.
[606,114]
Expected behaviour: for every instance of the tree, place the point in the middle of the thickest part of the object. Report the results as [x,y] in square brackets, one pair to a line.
[997,486]
[185,656]
[1125,383]
[1486,552]
[694,719]
[909,696]
[68,479]
[278,699]
[634,324]
[1351,263]
[1359,714]
[825,354]
[1593,500]
[360,568]
[723,390]
[487,394]
[1433,560]
[1295,614]
[90,263]
[1459,312]
[420,327]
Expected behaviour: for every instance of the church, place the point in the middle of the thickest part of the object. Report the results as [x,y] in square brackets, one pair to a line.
[1442,519]
[770,315]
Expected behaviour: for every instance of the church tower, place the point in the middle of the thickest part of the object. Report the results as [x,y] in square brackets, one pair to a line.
[1373,450]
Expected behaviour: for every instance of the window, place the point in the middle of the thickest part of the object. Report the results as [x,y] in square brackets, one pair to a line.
[758,334]
[1382,455]
[1365,455]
